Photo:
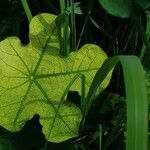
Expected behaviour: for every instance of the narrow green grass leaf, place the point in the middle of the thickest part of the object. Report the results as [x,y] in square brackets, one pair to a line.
[99,27]
[73,25]
[145,36]
[98,79]
[100,136]
[27,9]
[62,5]
[90,4]
[64,51]
[136,98]
[137,113]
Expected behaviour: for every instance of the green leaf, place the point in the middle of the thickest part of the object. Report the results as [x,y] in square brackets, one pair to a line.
[35,80]
[136,99]
[147,82]
[137,112]
[120,8]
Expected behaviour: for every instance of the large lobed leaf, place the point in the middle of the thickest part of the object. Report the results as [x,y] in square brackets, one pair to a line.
[35,77]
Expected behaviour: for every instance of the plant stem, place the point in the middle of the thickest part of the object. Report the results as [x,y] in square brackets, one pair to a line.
[62,5]
[73,25]
[64,51]
[66,31]
[27,9]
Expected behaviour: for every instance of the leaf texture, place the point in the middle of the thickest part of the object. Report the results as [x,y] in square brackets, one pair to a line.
[35,80]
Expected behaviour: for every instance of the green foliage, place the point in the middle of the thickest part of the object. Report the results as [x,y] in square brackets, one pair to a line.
[136,98]
[123,8]
[36,79]
[137,127]
[117,8]
[27,9]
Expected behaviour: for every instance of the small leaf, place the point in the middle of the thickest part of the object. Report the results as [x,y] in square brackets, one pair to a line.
[34,79]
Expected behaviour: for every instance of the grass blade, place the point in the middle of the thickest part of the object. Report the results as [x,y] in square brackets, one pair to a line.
[90,4]
[146,45]
[137,113]
[136,99]
[100,136]
[73,25]
[144,36]
[63,6]
[27,9]
[98,79]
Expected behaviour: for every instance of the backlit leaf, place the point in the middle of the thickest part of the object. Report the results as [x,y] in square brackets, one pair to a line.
[35,80]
